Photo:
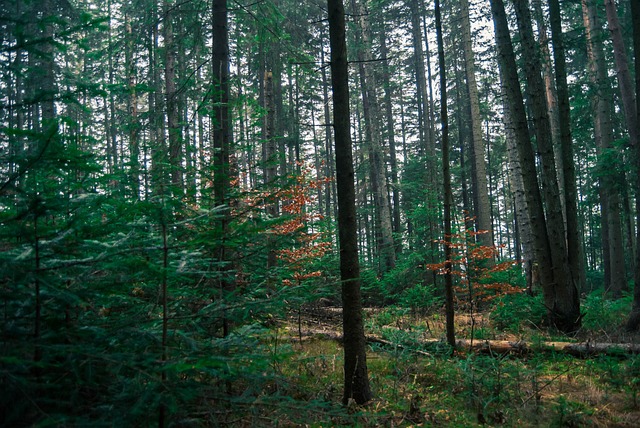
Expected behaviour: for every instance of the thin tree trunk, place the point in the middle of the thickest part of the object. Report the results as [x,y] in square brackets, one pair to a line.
[426,145]
[448,196]
[377,167]
[330,190]
[270,159]
[613,248]
[356,379]
[397,225]
[483,208]
[134,144]
[175,143]
[568,185]
[521,214]
[550,89]
[221,124]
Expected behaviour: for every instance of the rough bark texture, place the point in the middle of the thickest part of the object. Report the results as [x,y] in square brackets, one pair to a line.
[448,197]
[356,379]
[377,169]
[561,298]
[602,104]
[523,224]
[562,294]
[550,88]
[482,208]
[567,173]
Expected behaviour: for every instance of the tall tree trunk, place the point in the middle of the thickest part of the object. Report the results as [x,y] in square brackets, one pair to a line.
[482,208]
[561,297]
[371,111]
[569,190]
[171,102]
[356,378]
[330,190]
[448,196]
[613,248]
[625,84]
[634,319]
[550,190]
[270,159]
[550,88]
[156,108]
[622,71]
[397,225]
[521,214]
[427,145]
[134,144]
[221,124]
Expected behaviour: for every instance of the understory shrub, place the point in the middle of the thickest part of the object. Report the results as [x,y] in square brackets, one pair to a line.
[515,311]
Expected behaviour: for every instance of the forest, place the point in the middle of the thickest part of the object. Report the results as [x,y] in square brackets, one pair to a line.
[256,213]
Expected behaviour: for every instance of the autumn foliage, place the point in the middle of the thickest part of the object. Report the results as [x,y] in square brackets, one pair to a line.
[476,274]
[309,245]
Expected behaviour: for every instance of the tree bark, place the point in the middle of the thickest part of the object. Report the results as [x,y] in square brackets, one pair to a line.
[561,297]
[568,185]
[371,111]
[171,102]
[483,207]
[221,124]
[356,379]
[602,104]
[397,225]
[270,159]
[523,223]
[448,196]
[427,145]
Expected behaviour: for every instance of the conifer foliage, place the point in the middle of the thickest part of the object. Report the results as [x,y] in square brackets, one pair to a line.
[180,179]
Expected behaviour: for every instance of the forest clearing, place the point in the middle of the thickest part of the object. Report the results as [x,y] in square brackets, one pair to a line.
[256,213]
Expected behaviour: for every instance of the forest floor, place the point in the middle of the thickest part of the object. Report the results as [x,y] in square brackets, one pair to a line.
[417,382]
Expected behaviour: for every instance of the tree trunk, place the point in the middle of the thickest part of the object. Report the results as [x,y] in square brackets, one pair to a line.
[173,127]
[568,188]
[521,214]
[634,319]
[448,196]
[550,90]
[156,108]
[397,225]
[377,167]
[622,70]
[330,189]
[134,144]
[221,124]
[426,144]
[356,379]
[270,159]
[613,248]
[482,208]
[561,297]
